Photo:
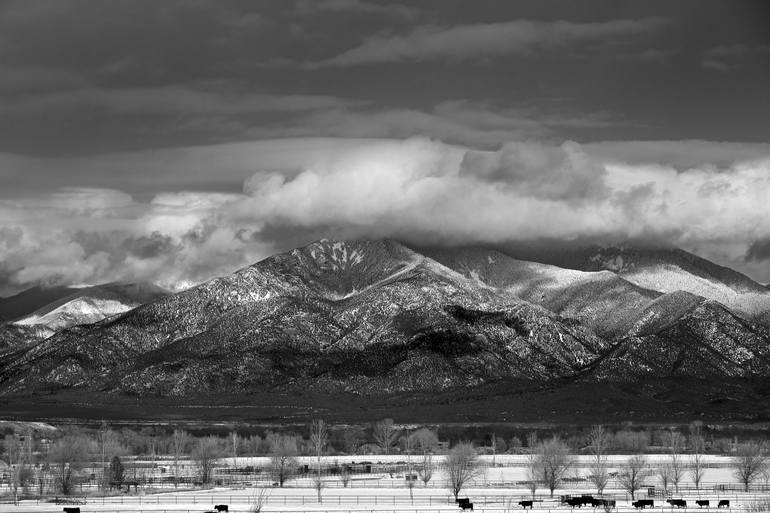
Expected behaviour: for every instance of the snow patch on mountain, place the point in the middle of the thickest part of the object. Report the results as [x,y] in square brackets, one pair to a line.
[83,310]
[670,278]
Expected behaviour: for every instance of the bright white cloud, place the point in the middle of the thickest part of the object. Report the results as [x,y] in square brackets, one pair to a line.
[416,189]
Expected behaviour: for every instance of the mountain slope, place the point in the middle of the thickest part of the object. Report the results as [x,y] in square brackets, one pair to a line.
[83,306]
[681,334]
[363,316]
[92,304]
[375,317]
[26,302]
[600,299]
[669,270]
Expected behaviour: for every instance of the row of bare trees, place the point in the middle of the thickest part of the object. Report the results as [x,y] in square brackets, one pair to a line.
[749,462]
[549,462]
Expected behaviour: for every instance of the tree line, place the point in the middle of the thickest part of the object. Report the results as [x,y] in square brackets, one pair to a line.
[49,463]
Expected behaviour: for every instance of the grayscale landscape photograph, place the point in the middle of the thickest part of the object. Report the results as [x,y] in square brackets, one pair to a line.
[370,256]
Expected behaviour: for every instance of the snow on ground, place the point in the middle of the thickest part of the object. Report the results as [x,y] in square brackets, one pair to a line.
[495,490]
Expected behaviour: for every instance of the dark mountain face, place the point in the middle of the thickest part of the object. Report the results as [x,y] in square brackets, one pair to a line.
[375,317]
[26,302]
[684,335]
[81,306]
[663,269]
[601,300]
[362,316]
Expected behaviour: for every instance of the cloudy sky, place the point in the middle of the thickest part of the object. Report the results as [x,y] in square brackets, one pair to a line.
[176,141]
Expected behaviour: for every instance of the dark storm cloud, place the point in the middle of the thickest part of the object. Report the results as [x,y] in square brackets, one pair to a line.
[151,246]
[174,141]
[759,251]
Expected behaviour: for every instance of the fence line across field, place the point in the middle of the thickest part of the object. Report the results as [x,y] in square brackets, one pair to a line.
[321,509]
[396,500]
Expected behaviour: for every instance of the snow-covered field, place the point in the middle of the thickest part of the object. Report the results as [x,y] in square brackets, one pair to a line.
[495,490]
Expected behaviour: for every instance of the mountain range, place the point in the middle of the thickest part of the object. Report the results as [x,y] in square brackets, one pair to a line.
[38,313]
[376,317]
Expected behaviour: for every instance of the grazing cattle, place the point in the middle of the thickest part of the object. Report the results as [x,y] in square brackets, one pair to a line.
[525,504]
[679,503]
[702,503]
[467,505]
[221,507]
[724,503]
[71,510]
[586,499]
[643,503]
[575,501]
[603,503]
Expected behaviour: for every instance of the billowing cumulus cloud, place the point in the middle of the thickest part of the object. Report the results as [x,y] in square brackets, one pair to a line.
[540,171]
[419,190]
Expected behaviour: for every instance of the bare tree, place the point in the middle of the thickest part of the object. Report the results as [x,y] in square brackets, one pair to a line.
[553,460]
[424,440]
[675,442]
[207,450]
[258,500]
[109,447]
[66,456]
[633,474]
[353,437]
[697,467]
[462,464]
[408,441]
[748,463]
[597,444]
[664,476]
[345,476]
[426,469]
[533,471]
[13,455]
[180,441]
[319,437]
[385,435]
[235,443]
[283,458]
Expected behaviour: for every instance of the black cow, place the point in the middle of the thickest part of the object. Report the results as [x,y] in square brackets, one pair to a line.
[724,503]
[679,503]
[71,510]
[702,503]
[464,500]
[587,499]
[603,502]
[525,504]
[467,505]
[643,503]
[221,507]
[575,501]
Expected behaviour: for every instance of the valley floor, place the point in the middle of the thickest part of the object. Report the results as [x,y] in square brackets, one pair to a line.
[495,490]
[678,400]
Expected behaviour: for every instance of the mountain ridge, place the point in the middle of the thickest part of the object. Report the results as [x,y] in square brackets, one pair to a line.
[376,316]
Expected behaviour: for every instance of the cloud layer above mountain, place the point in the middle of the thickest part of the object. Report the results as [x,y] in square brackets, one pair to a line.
[417,189]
